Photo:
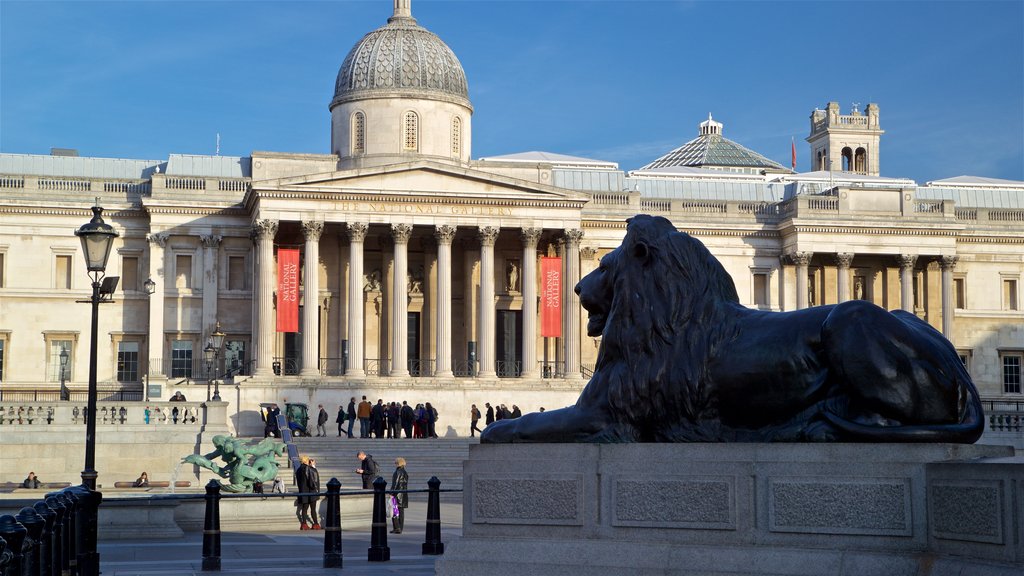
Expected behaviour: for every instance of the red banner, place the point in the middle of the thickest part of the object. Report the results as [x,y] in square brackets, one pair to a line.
[550,297]
[287,290]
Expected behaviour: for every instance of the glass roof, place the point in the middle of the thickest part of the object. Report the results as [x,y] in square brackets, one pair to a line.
[713,150]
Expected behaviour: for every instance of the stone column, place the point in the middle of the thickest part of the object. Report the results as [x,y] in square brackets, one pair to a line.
[157,242]
[311,229]
[265,232]
[485,347]
[400,301]
[843,260]
[356,236]
[445,235]
[210,244]
[907,262]
[530,238]
[948,263]
[560,341]
[801,260]
[571,303]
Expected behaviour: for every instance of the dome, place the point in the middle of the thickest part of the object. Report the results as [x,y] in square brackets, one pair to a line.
[401,58]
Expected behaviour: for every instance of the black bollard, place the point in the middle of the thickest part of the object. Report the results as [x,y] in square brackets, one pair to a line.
[378,550]
[46,546]
[71,501]
[211,528]
[35,525]
[5,556]
[86,524]
[15,534]
[60,535]
[46,538]
[432,545]
[332,526]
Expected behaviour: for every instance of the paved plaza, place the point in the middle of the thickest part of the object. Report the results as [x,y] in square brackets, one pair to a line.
[282,550]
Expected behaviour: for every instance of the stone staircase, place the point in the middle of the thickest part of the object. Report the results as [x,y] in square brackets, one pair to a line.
[336,457]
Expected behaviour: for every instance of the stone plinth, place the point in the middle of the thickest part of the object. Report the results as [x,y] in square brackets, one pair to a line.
[780,509]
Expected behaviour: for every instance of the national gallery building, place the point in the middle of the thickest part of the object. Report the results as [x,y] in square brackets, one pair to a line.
[399,266]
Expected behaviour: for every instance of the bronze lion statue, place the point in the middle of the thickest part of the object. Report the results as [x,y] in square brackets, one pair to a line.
[681,360]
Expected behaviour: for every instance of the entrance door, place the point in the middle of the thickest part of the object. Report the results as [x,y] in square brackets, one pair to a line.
[509,340]
[413,346]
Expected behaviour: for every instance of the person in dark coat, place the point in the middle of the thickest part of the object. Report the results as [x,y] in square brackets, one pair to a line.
[340,420]
[351,413]
[516,412]
[321,420]
[307,479]
[408,416]
[367,469]
[431,421]
[490,414]
[394,421]
[32,482]
[271,426]
[400,481]
[377,419]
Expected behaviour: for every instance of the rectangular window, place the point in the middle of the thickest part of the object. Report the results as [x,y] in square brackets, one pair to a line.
[2,258]
[127,361]
[130,273]
[959,296]
[183,271]
[181,359]
[234,358]
[1011,373]
[760,290]
[236,272]
[62,274]
[1009,294]
[53,362]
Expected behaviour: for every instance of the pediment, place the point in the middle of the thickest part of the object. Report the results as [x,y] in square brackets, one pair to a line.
[422,178]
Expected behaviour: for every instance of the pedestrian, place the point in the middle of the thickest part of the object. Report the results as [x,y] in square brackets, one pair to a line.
[31,482]
[364,418]
[408,416]
[516,412]
[321,420]
[474,417]
[340,419]
[394,421]
[142,481]
[351,414]
[399,481]
[431,420]
[307,479]
[278,486]
[367,469]
[420,424]
[377,419]
[178,397]
[271,425]
[490,414]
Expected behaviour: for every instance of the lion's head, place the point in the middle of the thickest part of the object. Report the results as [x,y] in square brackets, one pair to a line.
[662,304]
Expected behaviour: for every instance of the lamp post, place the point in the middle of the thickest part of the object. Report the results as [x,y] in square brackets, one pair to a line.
[97,239]
[212,354]
[65,394]
[150,287]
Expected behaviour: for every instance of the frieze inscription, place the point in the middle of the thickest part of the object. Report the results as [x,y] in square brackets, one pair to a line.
[439,209]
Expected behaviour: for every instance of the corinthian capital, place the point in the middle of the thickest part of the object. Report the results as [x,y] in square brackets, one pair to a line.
[948,262]
[265,229]
[210,240]
[574,235]
[801,258]
[531,236]
[357,231]
[158,239]
[843,259]
[488,235]
[312,229]
[401,233]
[907,260]
[445,234]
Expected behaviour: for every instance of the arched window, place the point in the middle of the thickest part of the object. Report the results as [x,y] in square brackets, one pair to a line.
[358,133]
[456,136]
[847,159]
[860,161]
[410,132]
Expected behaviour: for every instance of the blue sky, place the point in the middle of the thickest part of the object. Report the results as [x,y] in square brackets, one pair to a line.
[624,81]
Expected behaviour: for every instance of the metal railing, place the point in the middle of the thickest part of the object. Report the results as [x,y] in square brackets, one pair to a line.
[1004,415]
[119,394]
[285,366]
[464,369]
[421,367]
[508,368]
[552,369]
[376,366]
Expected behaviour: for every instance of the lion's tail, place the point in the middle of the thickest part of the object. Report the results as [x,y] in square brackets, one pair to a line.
[967,431]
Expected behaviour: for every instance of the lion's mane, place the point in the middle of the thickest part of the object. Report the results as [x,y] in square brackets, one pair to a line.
[672,308]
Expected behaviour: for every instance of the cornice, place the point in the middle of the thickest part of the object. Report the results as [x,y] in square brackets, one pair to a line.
[198,210]
[84,212]
[873,231]
[409,198]
[692,231]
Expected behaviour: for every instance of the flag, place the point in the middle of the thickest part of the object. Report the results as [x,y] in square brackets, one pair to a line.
[287,290]
[550,297]
[793,145]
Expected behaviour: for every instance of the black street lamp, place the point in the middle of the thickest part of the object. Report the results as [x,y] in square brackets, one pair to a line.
[211,354]
[150,287]
[97,239]
[65,394]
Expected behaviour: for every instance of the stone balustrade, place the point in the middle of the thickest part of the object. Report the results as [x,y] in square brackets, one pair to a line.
[112,414]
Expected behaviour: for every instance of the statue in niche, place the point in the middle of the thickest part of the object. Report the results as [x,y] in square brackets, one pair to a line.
[858,288]
[415,280]
[371,281]
[682,360]
[512,278]
[244,464]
